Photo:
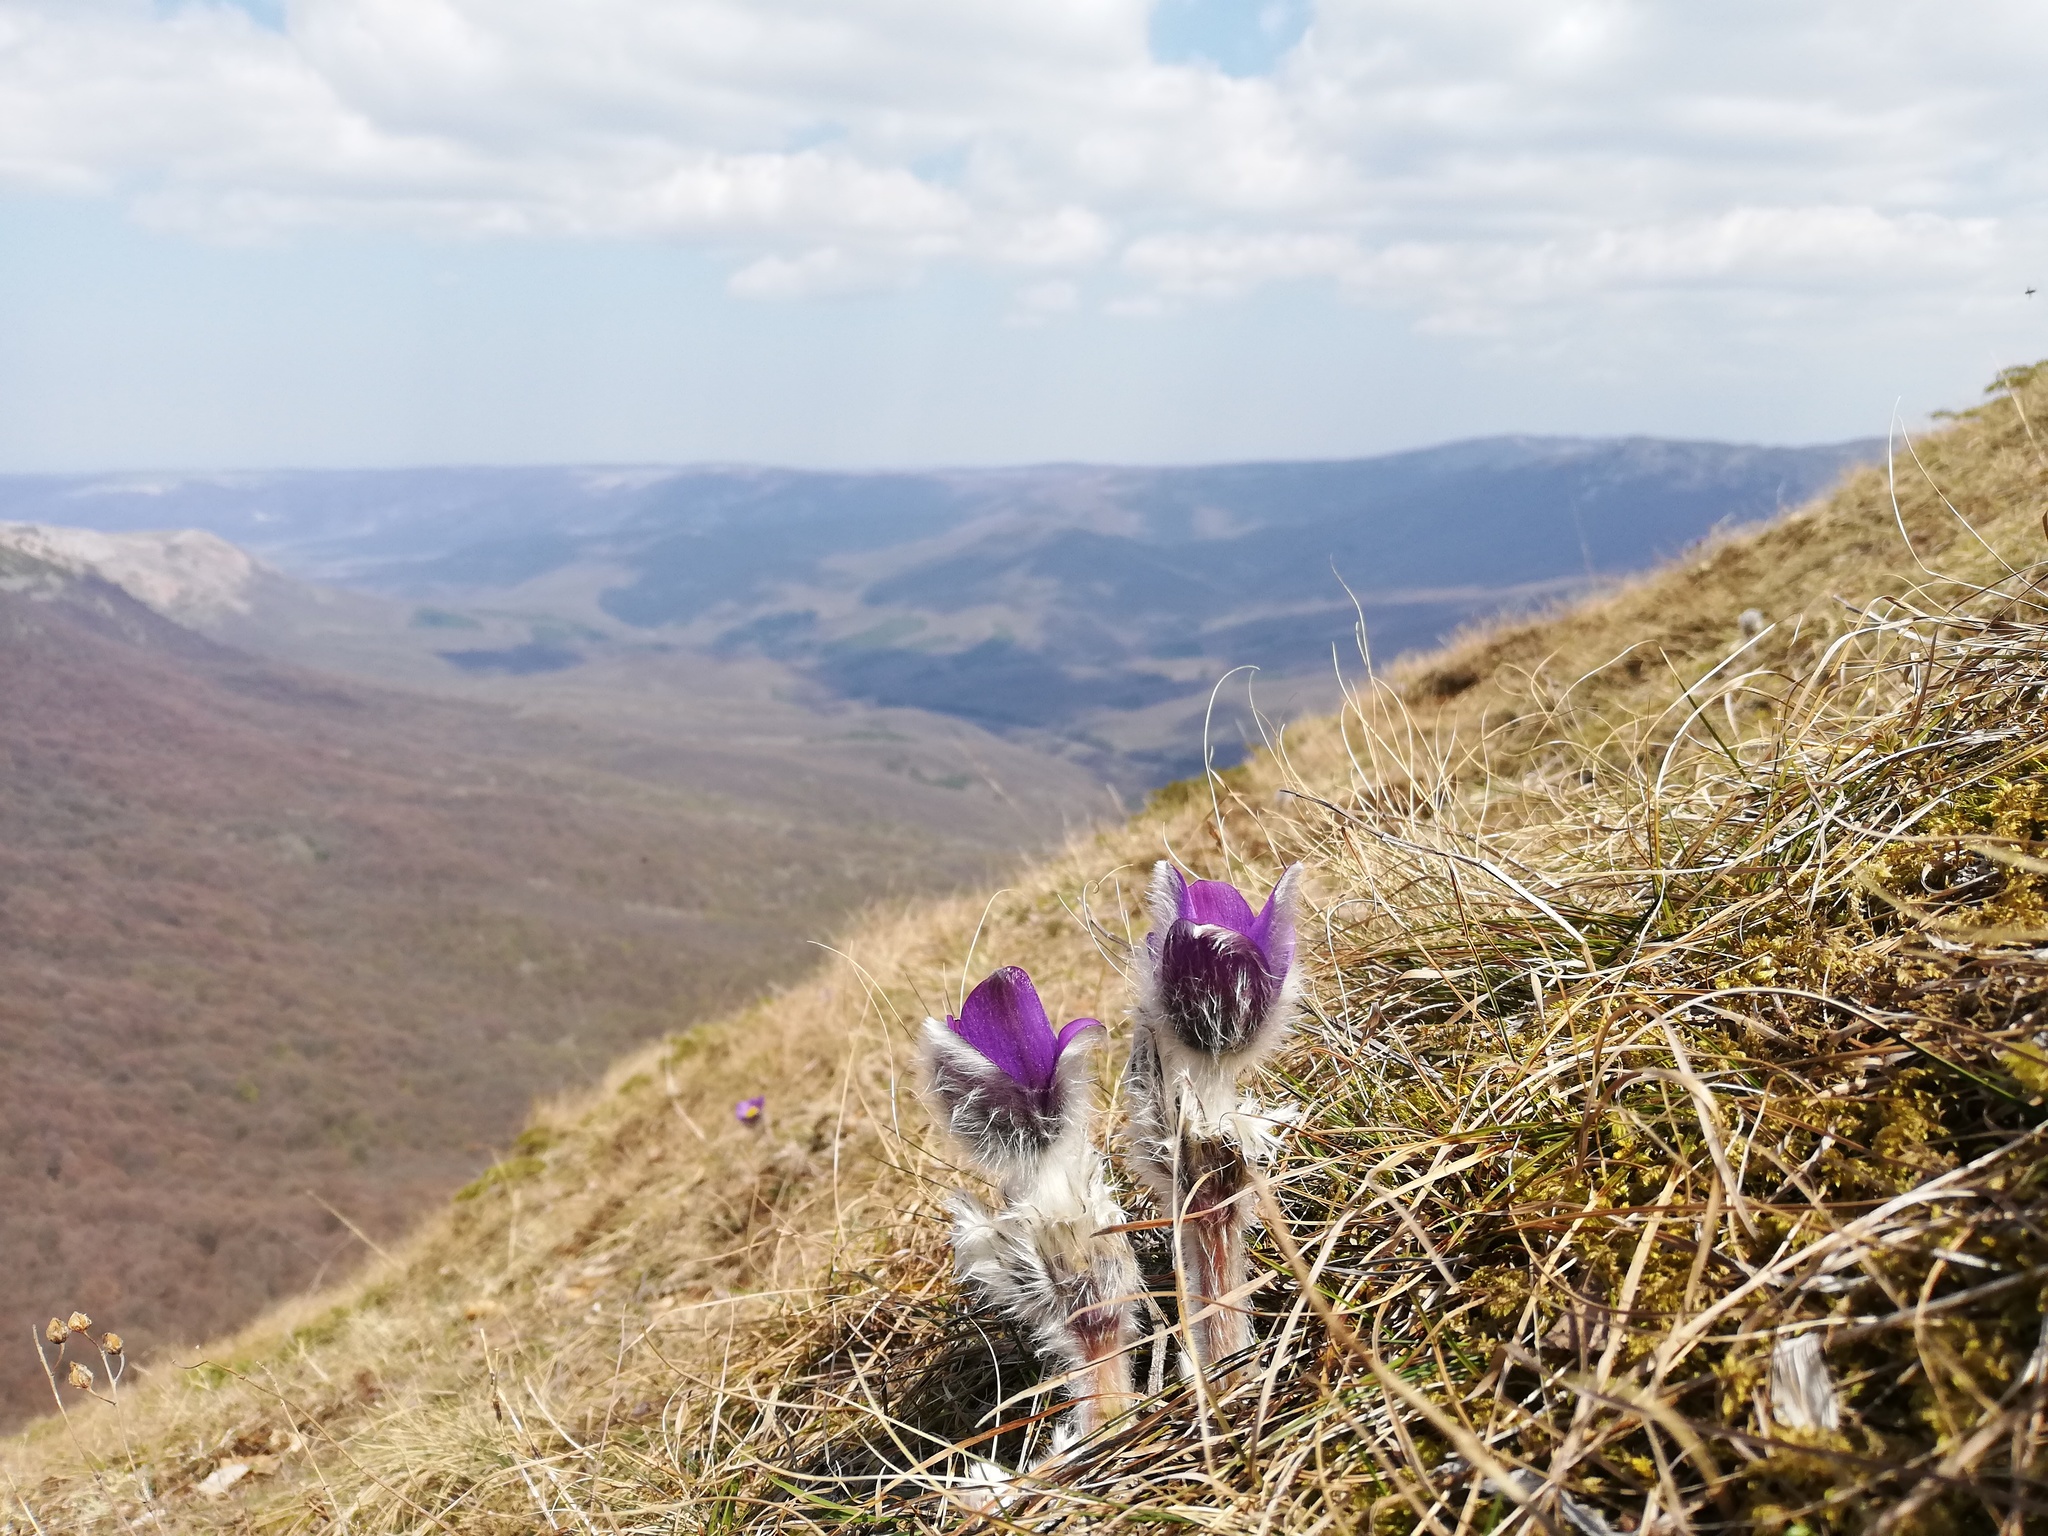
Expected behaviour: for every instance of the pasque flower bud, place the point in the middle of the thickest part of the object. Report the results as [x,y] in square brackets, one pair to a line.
[1217,988]
[1015,1094]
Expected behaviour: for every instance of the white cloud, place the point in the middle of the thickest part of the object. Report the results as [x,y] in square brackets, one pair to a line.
[1038,303]
[1470,163]
[1222,265]
[813,274]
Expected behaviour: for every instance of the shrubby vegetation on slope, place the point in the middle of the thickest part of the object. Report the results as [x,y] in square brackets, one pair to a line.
[1669,1156]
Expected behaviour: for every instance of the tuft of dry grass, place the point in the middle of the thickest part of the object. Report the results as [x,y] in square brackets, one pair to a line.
[1672,1093]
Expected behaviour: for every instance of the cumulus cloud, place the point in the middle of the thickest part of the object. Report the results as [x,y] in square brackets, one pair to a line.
[1469,163]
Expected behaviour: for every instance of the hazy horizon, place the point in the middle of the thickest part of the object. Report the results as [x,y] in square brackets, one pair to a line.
[201,472]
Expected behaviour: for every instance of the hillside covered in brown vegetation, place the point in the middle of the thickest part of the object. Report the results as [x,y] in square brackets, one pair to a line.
[280,952]
[1670,1080]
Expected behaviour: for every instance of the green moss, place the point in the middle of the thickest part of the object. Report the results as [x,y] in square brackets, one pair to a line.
[1181,792]
[513,1170]
[2029,1067]
[324,1329]
[1500,1292]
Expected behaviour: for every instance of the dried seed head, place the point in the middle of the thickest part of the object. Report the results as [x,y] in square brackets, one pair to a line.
[111,1343]
[80,1377]
[56,1333]
[79,1322]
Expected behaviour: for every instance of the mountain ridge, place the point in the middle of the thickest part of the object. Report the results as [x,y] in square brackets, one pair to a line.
[1087,610]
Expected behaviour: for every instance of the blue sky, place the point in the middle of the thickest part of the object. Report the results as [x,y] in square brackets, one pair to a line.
[1242,38]
[269,12]
[899,231]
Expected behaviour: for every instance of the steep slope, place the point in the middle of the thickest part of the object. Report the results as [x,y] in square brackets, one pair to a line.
[190,577]
[200,581]
[1529,1128]
[278,951]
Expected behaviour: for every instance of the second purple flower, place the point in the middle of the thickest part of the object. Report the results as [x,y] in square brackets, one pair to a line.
[1016,1094]
[1009,1087]
[1216,989]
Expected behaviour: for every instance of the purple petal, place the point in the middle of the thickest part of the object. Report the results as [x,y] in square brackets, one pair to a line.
[1273,930]
[1004,1020]
[1215,987]
[1073,1028]
[998,1117]
[1216,903]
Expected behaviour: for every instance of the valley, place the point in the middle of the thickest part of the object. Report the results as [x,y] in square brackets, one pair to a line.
[282,950]
[1084,611]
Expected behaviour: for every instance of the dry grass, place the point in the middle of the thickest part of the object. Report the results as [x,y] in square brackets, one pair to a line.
[1676,997]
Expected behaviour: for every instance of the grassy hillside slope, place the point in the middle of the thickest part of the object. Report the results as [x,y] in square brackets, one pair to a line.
[279,951]
[1674,993]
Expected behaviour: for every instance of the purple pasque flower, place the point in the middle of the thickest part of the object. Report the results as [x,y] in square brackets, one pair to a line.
[1216,988]
[750,1111]
[1002,1077]
[1220,974]
[1052,1255]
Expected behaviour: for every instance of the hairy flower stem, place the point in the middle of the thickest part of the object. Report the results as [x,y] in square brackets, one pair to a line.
[1102,1338]
[1094,1284]
[1209,1249]
[1047,1263]
[1083,1313]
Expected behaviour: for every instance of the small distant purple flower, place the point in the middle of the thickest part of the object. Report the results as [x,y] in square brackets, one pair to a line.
[1220,970]
[997,1070]
[750,1111]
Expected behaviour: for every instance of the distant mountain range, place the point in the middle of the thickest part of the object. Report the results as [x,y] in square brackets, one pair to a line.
[1083,608]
